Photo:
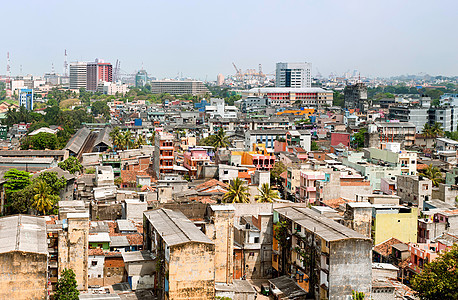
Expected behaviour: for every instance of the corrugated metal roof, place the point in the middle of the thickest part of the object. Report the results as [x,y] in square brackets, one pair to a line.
[104,137]
[77,141]
[23,233]
[324,227]
[175,228]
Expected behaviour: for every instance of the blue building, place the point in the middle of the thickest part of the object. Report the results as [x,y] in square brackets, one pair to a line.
[141,78]
[200,106]
[26,98]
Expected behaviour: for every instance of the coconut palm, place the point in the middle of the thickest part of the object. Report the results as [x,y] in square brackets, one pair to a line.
[220,139]
[437,129]
[266,194]
[152,138]
[427,131]
[432,173]
[43,198]
[237,192]
[140,141]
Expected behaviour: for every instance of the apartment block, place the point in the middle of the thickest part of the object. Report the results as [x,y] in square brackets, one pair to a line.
[294,75]
[414,190]
[195,158]
[164,154]
[324,257]
[288,96]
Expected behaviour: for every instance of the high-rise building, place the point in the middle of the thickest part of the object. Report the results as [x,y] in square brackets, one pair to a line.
[98,71]
[141,78]
[164,154]
[355,96]
[26,98]
[220,80]
[78,75]
[295,75]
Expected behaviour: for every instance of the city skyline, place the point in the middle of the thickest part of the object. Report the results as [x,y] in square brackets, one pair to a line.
[201,40]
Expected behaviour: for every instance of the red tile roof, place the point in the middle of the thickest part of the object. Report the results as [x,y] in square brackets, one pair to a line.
[210,183]
[96,251]
[384,248]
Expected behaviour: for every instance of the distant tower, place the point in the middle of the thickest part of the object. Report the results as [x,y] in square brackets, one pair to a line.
[220,79]
[65,64]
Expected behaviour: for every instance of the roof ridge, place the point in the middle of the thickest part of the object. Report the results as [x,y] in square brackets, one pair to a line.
[173,221]
[18,231]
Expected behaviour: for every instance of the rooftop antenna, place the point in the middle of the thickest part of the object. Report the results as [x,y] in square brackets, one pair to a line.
[52,69]
[20,69]
[65,63]
[8,70]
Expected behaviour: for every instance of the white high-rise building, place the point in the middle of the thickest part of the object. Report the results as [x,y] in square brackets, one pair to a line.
[78,75]
[295,75]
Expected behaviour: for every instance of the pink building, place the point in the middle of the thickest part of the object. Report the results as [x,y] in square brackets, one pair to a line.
[421,254]
[194,158]
[340,138]
[308,185]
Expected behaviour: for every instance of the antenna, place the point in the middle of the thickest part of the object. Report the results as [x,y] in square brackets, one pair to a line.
[20,69]
[65,63]
[52,69]
[8,70]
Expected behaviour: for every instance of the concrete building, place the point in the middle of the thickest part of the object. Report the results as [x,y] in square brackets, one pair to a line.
[220,80]
[414,190]
[111,88]
[294,75]
[164,152]
[253,246]
[26,98]
[141,78]
[355,97]
[195,158]
[325,258]
[253,104]
[285,96]
[23,258]
[78,75]
[186,256]
[358,216]
[395,221]
[219,109]
[394,156]
[266,137]
[178,87]
[403,133]
[98,72]
[73,247]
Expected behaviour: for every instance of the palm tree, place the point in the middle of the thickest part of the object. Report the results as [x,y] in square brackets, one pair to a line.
[220,140]
[427,132]
[152,138]
[266,194]
[237,193]
[43,199]
[437,129]
[432,173]
[140,141]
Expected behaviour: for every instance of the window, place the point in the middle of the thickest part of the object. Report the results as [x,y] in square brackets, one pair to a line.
[256,239]
[251,254]
[94,263]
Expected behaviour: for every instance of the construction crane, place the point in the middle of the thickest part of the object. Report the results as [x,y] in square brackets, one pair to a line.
[238,73]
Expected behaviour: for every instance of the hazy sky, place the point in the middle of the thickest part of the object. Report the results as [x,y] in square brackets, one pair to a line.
[203,38]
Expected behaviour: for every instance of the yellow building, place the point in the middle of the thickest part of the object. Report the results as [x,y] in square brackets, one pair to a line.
[259,157]
[395,221]
[297,112]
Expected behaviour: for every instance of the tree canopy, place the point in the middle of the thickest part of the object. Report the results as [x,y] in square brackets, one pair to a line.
[67,286]
[439,278]
[71,165]
[237,193]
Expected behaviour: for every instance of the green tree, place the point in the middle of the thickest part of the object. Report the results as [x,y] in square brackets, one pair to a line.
[237,193]
[20,201]
[67,286]
[52,180]
[16,181]
[314,146]
[100,108]
[71,164]
[439,278]
[338,99]
[43,198]
[140,141]
[266,194]
[40,141]
[432,173]
[358,138]
[276,171]
[220,139]
[357,295]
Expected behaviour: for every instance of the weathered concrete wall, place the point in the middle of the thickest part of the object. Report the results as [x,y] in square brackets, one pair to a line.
[95,266]
[106,211]
[73,250]
[359,219]
[224,245]
[192,272]
[350,268]
[23,275]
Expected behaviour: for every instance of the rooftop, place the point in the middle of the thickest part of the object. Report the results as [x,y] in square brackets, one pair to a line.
[175,228]
[23,233]
[324,227]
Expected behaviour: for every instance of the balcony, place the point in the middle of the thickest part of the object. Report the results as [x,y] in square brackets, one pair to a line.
[310,189]
[165,157]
